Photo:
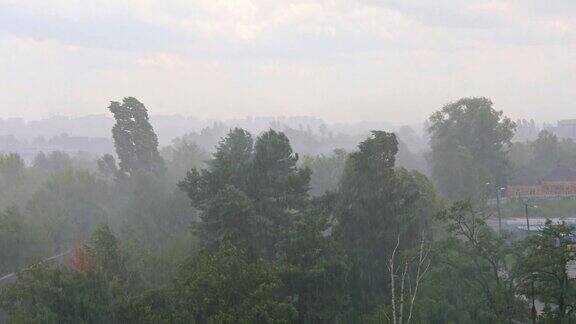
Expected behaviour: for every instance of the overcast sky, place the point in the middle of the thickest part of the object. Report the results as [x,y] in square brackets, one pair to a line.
[341,60]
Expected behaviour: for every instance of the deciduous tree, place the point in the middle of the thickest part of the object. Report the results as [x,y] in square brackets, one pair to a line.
[469,126]
[134,138]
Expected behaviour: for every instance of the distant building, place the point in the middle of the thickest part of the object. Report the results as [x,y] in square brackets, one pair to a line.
[566,128]
[560,183]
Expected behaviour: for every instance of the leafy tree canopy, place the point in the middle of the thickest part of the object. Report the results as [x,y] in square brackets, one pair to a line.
[469,127]
[134,138]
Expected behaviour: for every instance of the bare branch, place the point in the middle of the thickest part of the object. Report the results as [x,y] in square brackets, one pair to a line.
[423,257]
[406,264]
[392,280]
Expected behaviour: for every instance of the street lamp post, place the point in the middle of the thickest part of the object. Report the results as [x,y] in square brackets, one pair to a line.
[498,193]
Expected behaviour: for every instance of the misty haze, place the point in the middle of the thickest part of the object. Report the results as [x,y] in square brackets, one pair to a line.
[251,161]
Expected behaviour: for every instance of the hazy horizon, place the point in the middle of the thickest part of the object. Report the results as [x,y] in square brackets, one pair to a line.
[337,60]
[287,161]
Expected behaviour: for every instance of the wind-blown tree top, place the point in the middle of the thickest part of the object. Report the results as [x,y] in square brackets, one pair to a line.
[378,205]
[275,176]
[469,127]
[249,191]
[134,138]
[376,198]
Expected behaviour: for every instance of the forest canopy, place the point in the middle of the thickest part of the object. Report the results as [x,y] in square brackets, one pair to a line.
[253,231]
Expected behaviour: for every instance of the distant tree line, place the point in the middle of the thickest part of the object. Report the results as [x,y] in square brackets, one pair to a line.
[181,236]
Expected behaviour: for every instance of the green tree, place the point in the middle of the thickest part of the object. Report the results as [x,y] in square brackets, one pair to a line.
[376,204]
[18,242]
[148,307]
[134,138]
[227,288]
[108,257]
[230,217]
[45,295]
[229,166]
[263,183]
[276,181]
[452,293]
[469,126]
[314,268]
[154,219]
[68,206]
[278,188]
[483,262]
[544,263]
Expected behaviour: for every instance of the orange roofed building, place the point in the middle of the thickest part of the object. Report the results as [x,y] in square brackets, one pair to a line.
[560,183]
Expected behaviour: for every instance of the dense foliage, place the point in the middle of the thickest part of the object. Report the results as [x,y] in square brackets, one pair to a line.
[469,143]
[254,234]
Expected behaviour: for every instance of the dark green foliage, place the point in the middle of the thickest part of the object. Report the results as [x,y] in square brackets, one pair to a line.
[148,307]
[315,270]
[255,198]
[228,288]
[366,192]
[451,293]
[108,257]
[276,182]
[45,295]
[544,263]
[260,249]
[534,161]
[483,263]
[250,190]
[471,136]
[277,188]
[230,217]
[232,158]
[134,138]
[375,205]
[68,206]
[228,167]
[18,242]
[12,239]
[154,218]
